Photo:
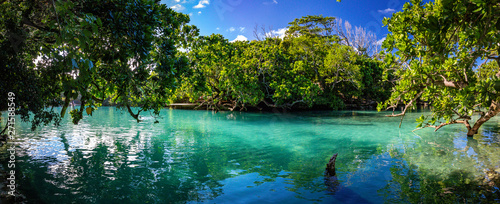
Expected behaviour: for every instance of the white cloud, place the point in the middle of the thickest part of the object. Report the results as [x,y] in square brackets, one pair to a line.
[240,38]
[242,29]
[177,7]
[269,3]
[387,11]
[199,12]
[177,1]
[231,29]
[217,28]
[379,42]
[278,33]
[190,14]
[202,4]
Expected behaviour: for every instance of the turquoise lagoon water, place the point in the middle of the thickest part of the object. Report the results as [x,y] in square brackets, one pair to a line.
[233,157]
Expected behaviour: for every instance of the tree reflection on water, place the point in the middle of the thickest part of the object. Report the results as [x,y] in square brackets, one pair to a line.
[446,169]
[108,174]
[194,161]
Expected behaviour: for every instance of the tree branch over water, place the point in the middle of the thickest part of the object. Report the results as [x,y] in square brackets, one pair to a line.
[441,49]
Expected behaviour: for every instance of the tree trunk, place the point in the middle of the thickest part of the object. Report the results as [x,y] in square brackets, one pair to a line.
[65,106]
[494,110]
[135,116]
[330,167]
[6,126]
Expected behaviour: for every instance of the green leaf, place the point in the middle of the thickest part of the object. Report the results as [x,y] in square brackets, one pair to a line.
[94,29]
[99,22]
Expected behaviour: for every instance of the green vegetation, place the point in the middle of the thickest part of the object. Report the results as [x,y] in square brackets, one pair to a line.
[309,66]
[56,52]
[422,181]
[59,51]
[92,50]
[444,53]
[435,48]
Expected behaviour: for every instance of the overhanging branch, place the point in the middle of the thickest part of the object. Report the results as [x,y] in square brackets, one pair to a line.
[465,122]
[452,84]
[436,128]
[135,116]
[402,114]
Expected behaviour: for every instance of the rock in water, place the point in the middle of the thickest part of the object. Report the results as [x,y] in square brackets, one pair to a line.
[330,167]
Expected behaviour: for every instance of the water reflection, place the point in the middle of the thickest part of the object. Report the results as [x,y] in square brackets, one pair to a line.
[194,156]
[450,168]
[119,173]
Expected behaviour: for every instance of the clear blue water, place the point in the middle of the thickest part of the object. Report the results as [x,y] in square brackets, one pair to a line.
[232,157]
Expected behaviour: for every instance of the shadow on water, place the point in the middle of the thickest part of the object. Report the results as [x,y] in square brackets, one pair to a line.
[160,172]
[195,156]
[306,116]
[445,169]
[334,186]
[184,165]
[106,174]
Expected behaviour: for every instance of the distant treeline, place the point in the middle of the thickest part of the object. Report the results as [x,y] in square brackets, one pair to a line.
[318,63]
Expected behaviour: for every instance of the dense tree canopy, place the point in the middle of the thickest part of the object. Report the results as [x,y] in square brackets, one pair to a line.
[446,53]
[308,67]
[56,51]
[105,52]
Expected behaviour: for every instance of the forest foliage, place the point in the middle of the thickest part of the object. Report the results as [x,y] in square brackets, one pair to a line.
[444,53]
[309,67]
[447,53]
[53,52]
[143,58]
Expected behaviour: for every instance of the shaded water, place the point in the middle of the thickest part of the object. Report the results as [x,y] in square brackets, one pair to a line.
[232,157]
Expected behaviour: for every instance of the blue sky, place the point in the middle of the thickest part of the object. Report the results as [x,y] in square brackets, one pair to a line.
[238,18]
